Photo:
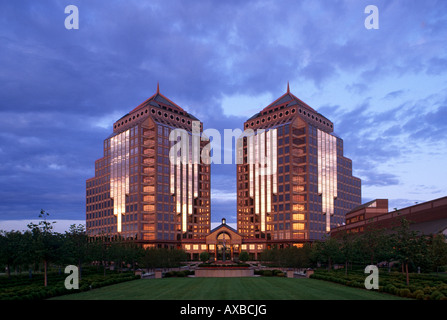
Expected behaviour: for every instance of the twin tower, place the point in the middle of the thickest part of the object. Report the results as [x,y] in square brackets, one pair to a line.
[153,183]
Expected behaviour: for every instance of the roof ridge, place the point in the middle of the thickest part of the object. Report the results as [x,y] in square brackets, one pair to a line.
[224,225]
[153,98]
[292,97]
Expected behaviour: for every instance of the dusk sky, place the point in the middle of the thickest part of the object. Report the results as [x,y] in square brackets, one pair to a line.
[222,61]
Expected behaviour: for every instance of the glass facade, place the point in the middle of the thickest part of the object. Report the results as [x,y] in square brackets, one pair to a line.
[184,166]
[327,173]
[119,174]
[261,148]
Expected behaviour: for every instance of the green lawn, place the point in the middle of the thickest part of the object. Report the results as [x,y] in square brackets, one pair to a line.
[257,288]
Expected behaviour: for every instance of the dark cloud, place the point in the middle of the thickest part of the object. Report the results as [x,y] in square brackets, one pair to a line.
[60,87]
[394,94]
[357,88]
[372,178]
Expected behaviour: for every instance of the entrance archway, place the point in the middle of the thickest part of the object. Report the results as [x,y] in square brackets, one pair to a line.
[223,246]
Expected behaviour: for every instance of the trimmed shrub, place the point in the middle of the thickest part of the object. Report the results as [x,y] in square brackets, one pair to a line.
[389,288]
[419,294]
[406,293]
[280,274]
[436,295]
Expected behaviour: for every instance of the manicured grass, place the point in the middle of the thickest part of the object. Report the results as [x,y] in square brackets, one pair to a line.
[256,288]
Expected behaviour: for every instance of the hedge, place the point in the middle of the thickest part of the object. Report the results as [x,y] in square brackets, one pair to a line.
[178,274]
[422,287]
[270,273]
[34,290]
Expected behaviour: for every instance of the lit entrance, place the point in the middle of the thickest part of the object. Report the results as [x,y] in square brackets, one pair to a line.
[224,247]
[224,243]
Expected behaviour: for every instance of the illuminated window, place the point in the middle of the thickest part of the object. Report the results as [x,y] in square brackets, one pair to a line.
[298,216]
[298,226]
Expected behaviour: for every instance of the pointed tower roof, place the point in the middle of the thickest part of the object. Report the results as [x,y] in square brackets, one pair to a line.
[158,97]
[288,96]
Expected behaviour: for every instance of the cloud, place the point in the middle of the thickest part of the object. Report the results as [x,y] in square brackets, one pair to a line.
[357,88]
[437,66]
[394,94]
[221,61]
[223,196]
[372,178]
[245,105]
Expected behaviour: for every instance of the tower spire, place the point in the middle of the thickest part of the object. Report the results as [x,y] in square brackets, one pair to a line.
[158,87]
[288,87]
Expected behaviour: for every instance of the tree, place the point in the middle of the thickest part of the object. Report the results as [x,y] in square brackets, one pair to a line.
[116,252]
[76,245]
[347,248]
[305,252]
[438,251]
[132,253]
[45,242]
[410,247]
[98,250]
[244,256]
[270,255]
[372,242]
[12,253]
[327,251]
[204,256]
[162,258]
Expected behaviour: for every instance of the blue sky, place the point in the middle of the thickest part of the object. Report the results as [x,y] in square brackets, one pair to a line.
[61,90]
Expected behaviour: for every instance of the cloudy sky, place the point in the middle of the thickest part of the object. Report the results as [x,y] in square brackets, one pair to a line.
[61,90]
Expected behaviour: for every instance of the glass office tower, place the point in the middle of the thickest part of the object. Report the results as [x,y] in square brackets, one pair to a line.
[138,192]
[293,184]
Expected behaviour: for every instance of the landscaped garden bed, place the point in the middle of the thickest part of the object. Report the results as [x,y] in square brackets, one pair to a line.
[422,286]
[22,287]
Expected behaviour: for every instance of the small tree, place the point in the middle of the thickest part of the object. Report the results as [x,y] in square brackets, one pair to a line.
[75,245]
[327,251]
[438,251]
[243,256]
[347,248]
[410,246]
[204,256]
[371,244]
[14,249]
[46,243]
